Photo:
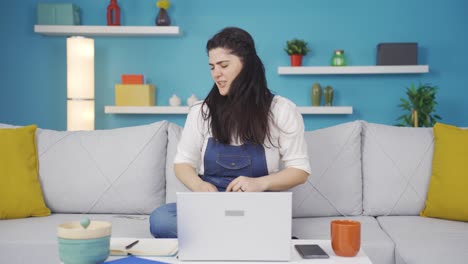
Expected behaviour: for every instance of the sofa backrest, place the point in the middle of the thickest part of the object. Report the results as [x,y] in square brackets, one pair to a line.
[335,186]
[130,170]
[173,185]
[396,168]
[103,171]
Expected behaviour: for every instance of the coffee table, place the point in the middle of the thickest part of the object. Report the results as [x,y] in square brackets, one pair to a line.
[361,257]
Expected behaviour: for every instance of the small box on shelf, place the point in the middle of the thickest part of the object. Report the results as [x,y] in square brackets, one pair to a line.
[135,95]
[133,79]
[58,14]
[397,54]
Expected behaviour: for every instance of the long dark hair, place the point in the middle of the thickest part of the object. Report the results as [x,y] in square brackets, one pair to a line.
[244,112]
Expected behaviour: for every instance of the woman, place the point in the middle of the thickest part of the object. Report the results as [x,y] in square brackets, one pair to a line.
[236,139]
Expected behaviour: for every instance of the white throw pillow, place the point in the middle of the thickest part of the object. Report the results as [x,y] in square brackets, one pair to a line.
[396,168]
[335,184]
[104,171]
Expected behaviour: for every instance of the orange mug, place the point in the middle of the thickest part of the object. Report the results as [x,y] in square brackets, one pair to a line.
[345,237]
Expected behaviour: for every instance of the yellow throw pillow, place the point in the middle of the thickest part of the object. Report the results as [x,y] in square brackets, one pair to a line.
[447,195]
[20,190]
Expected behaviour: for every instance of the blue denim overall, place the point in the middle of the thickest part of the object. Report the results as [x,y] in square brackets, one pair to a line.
[223,163]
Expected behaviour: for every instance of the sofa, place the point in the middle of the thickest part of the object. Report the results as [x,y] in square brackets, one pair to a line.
[376,174]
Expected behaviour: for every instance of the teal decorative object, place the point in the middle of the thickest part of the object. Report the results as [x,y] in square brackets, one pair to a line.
[85,223]
[84,251]
[84,242]
[328,96]
[58,14]
[316,94]
[338,58]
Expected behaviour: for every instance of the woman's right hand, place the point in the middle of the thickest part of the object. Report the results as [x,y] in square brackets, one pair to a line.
[204,186]
[189,177]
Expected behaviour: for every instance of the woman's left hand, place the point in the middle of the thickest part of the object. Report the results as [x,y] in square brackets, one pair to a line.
[247,184]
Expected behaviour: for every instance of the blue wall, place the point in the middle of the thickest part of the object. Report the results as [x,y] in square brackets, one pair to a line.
[33,70]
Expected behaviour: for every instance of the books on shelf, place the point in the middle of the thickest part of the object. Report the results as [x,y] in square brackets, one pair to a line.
[144,247]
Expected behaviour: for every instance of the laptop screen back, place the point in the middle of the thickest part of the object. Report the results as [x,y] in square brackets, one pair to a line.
[234,226]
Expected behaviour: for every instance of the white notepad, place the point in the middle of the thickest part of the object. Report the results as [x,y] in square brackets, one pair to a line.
[144,247]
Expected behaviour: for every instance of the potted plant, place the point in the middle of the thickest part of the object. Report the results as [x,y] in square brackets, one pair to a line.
[162,19]
[296,48]
[419,106]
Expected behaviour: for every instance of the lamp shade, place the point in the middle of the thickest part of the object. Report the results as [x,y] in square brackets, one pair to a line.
[80,83]
[80,115]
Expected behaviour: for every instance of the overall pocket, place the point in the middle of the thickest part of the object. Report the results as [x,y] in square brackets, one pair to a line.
[234,165]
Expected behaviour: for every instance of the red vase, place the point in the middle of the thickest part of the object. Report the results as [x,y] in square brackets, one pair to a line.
[113,14]
[296,60]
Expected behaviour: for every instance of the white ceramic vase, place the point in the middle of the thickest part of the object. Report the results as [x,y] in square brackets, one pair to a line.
[174,100]
[191,100]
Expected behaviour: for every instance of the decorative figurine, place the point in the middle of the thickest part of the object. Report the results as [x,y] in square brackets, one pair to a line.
[191,100]
[338,58]
[316,94]
[113,14]
[328,96]
[163,18]
[85,222]
[174,100]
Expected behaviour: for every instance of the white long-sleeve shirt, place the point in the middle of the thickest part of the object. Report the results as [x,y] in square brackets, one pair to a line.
[287,135]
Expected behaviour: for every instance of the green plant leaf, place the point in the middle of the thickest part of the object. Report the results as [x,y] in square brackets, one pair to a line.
[422,99]
[296,46]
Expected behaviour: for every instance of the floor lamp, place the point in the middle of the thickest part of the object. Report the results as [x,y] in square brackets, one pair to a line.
[80,83]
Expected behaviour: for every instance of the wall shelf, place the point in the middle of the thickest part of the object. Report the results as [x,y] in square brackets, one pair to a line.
[111,109]
[325,110]
[378,69]
[107,31]
[306,110]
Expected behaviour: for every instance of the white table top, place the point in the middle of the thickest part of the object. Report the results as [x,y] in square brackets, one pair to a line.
[361,257]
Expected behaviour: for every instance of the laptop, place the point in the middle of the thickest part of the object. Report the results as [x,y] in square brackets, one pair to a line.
[248,226]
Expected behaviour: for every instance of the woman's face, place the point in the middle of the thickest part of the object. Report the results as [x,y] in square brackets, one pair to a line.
[224,68]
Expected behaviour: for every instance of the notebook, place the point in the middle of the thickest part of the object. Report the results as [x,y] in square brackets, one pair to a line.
[122,246]
[234,226]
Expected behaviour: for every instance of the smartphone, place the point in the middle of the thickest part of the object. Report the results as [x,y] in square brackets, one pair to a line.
[311,251]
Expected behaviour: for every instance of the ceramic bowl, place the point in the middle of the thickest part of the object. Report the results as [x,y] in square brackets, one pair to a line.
[84,245]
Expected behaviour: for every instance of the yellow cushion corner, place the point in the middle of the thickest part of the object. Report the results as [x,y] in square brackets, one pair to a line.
[447,194]
[20,189]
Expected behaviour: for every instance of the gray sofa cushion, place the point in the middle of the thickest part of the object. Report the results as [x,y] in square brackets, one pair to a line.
[396,168]
[103,171]
[34,239]
[173,184]
[376,244]
[335,184]
[422,240]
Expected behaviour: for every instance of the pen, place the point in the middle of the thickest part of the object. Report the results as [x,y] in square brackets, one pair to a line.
[131,244]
